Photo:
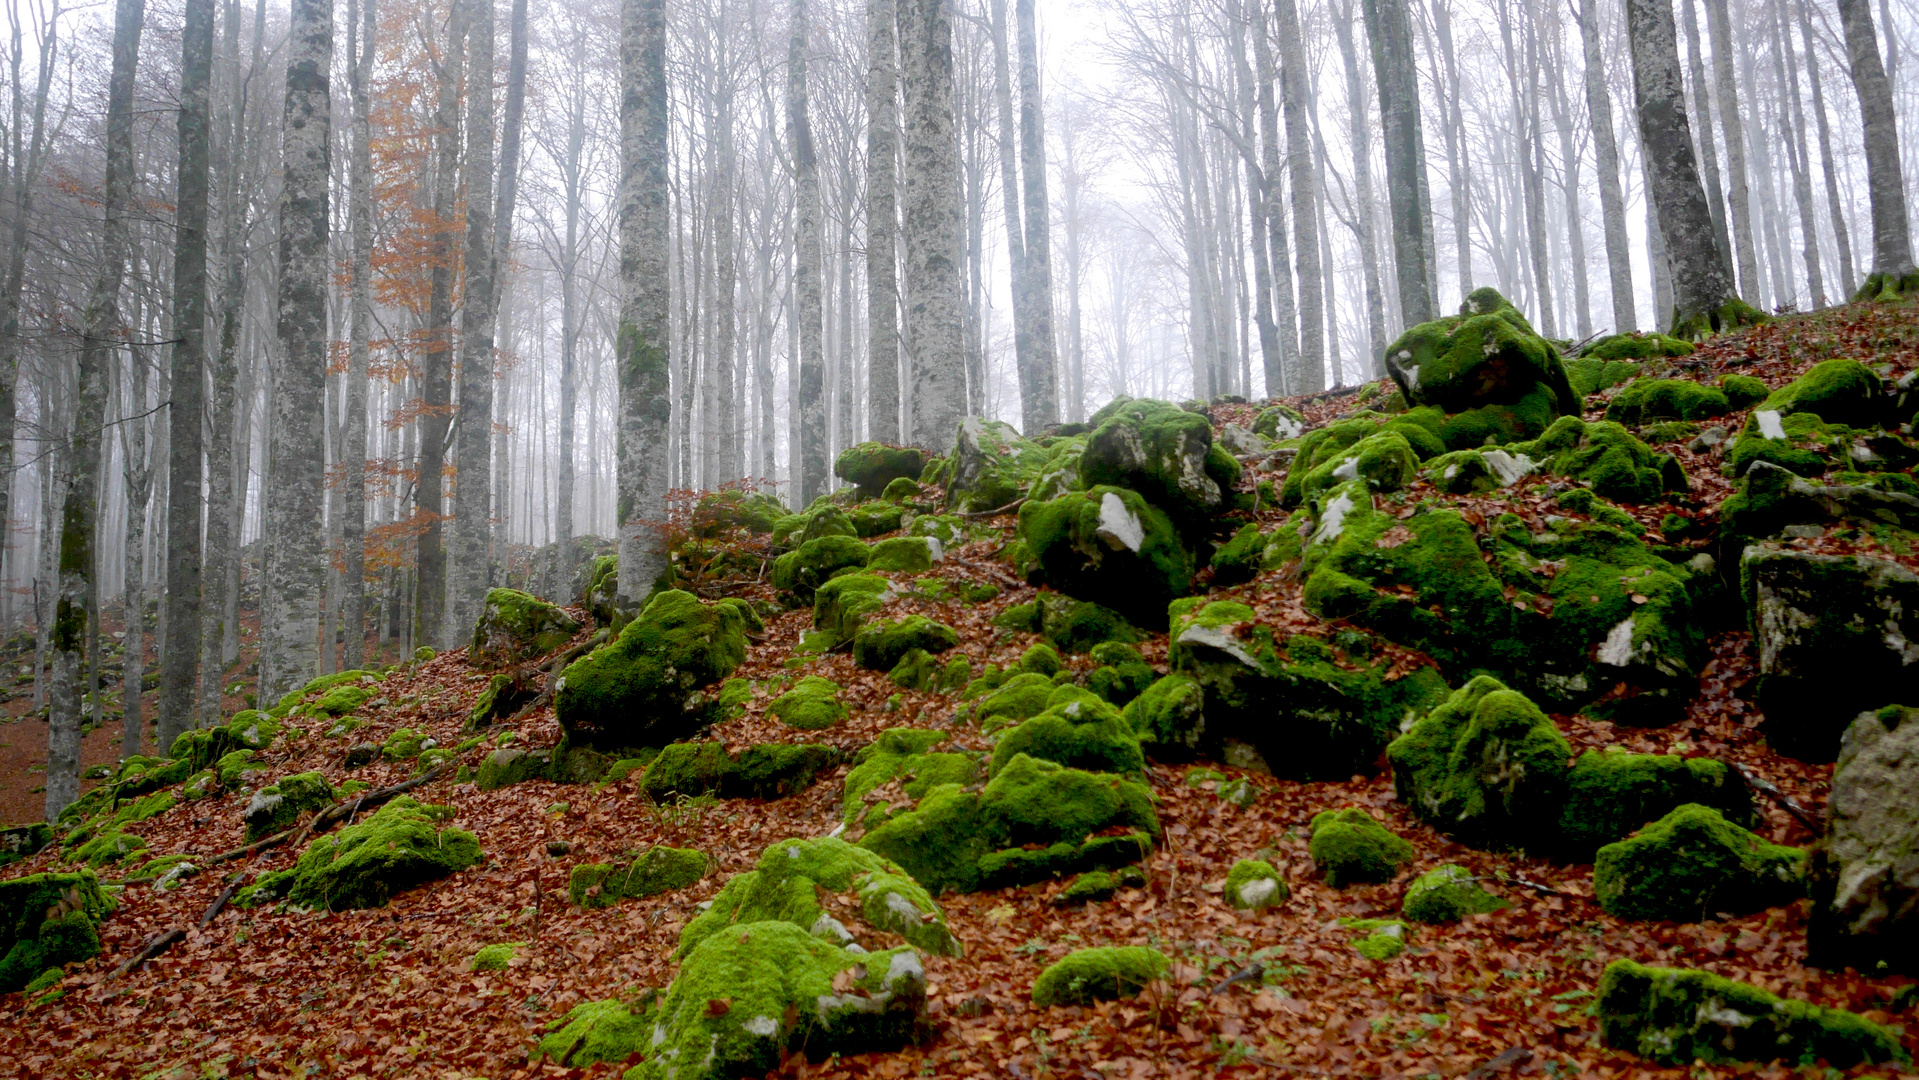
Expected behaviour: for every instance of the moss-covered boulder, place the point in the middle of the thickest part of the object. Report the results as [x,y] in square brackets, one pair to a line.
[1033,821]
[1239,792]
[1097,885]
[880,644]
[1605,457]
[1076,729]
[1329,450]
[1279,423]
[842,606]
[1674,1016]
[718,512]
[1647,399]
[786,886]
[1111,547]
[515,627]
[761,771]
[645,688]
[1122,675]
[990,467]
[1073,626]
[511,765]
[872,466]
[1692,864]
[1636,346]
[1589,375]
[402,845]
[495,957]
[1487,369]
[1161,451]
[920,670]
[905,554]
[278,805]
[897,770]
[1350,846]
[1309,708]
[1471,472]
[1085,976]
[1486,768]
[657,870]
[1170,716]
[826,517]
[875,517]
[802,571]
[1253,884]
[18,842]
[46,922]
[593,1032]
[1610,793]
[1864,872]
[1835,637]
[1447,894]
[1378,940]
[1383,461]
[1023,695]
[1837,391]
[201,748]
[812,704]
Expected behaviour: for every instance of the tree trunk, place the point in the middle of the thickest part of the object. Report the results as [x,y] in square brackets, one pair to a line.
[1387,26]
[1458,162]
[1792,135]
[1849,273]
[1892,269]
[1273,212]
[1732,126]
[137,473]
[726,465]
[1040,404]
[806,267]
[1612,204]
[473,451]
[572,179]
[930,221]
[1525,119]
[1012,215]
[1299,165]
[436,361]
[1706,149]
[645,410]
[80,465]
[363,22]
[882,215]
[1554,52]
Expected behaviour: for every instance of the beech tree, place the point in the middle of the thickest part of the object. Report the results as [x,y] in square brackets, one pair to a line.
[1892,269]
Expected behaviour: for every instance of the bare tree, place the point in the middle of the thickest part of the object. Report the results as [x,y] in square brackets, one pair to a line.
[1892,269]
[882,224]
[811,437]
[1732,126]
[362,32]
[1391,34]
[1305,190]
[1040,400]
[1612,203]
[930,225]
[1840,232]
[472,448]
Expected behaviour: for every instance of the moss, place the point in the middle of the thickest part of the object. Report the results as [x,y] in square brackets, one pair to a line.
[1636,346]
[732,508]
[233,769]
[1161,451]
[1583,501]
[875,466]
[46,921]
[1109,546]
[1015,699]
[1122,675]
[107,846]
[822,519]
[1088,975]
[1040,660]
[508,766]
[1691,864]
[1729,316]
[1073,626]
[1447,894]
[593,1032]
[803,571]
[1610,793]
[1743,391]
[278,806]
[1487,767]
[1279,422]
[1837,391]
[1169,715]
[1486,368]
[366,864]
[495,957]
[901,489]
[879,646]
[1607,458]
[1380,940]
[1097,885]
[1241,792]
[515,627]
[1253,884]
[905,554]
[640,689]
[991,466]
[1802,444]
[1648,399]
[1351,846]
[811,705]
[844,603]
[23,842]
[1679,1017]
[657,870]
[875,518]
[905,755]
[761,771]
[1384,461]
[1076,729]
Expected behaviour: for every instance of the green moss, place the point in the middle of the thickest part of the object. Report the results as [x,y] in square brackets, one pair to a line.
[991,466]
[1015,699]
[1383,461]
[1837,391]
[1589,375]
[1040,660]
[803,571]
[1111,547]
[1447,894]
[515,627]
[593,1032]
[46,921]
[1743,391]
[1253,884]
[1073,626]
[1636,346]
[1076,729]
[1088,975]
[1691,864]
[811,705]
[1486,368]
[905,554]
[1607,458]
[905,755]
[875,518]
[1122,675]
[1583,501]
[1679,1017]
[278,806]
[1241,792]
[1169,716]
[761,771]
[508,766]
[1648,399]
[732,508]
[108,846]
[1611,793]
[822,519]
[841,605]
[657,870]
[875,466]
[366,864]
[1802,445]
[641,689]
[1279,422]
[1097,885]
[1380,939]
[495,957]
[1161,451]
[879,646]
[1351,846]
[1487,767]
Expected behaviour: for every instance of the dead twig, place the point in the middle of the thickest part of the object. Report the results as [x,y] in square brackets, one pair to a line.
[1786,802]
[154,948]
[1007,509]
[332,813]
[220,901]
[553,669]
[1250,973]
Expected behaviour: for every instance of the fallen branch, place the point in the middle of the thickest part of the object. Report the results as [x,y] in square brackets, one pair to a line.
[1250,973]
[220,901]
[1007,509]
[553,669]
[1509,1058]
[333,812]
[1786,802]
[1538,887]
[154,948]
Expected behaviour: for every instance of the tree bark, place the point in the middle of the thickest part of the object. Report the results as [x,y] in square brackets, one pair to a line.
[363,23]
[573,188]
[1848,272]
[436,360]
[1458,162]
[806,267]
[1012,215]
[1525,119]
[1892,269]
[1792,135]
[1612,203]
[1273,211]
[1387,26]
[1554,52]
[1732,126]
[930,224]
[1706,149]
[882,216]
[1040,405]
[726,464]
[136,470]
[472,448]
[1299,166]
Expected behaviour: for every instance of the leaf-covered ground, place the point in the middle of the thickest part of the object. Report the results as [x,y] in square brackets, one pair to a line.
[387,992]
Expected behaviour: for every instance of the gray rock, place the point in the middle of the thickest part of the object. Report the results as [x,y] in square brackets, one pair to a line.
[1864,873]
[1240,442]
[1710,439]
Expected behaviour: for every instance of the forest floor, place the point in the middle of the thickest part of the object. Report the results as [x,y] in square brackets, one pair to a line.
[388,991]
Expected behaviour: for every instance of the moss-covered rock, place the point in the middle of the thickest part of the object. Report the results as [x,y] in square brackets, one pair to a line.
[1691,864]
[1486,768]
[1743,391]
[1170,716]
[1384,461]
[515,627]
[203,748]
[872,466]
[842,606]
[1327,450]
[1447,894]
[905,554]
[1350,846]
[1040,660]
[879,645]
[1161,451]
[1253,884]
[46,922]
[643,688]
[1076,729]
[1678,1017]
[1241,792]
[824,518]
[1097,885]
[593,1032]
[1606,457]
[657,870]
[1122,675]
[280,804]
[1590,375]
[875,517]
[1636,346]
[1487,369]
[761,771]
[802,571]
[905,755]
[495,957]
[18,842]
[1073,626]
[1033,821]
[1279,423]
[1088,975]
[1612,792]
[1109,546]
[1837,391]
[734,508]
[991,466]
[1865,911]
[1647,399]
[364,865]
[812,704]
[510,765]
[1470,472]
[1023,695]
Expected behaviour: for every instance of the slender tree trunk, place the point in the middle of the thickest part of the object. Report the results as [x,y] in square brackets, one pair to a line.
[74,600]
[363,22]
[882,216]
[570,314]
[1707,152]
[1040,406]
[806,269]
[1792,136]
[1525,114]
[473,451]
[137,473]
[1849,274]
[1569,179]
[1387,26]
[506,201]
[436,365]
[1272,210]
[1612,203]
[1732,126]
[1013,216]
[930,221]
[1243,85]
[1299,164]
[726,465]
[1892,269]
[645,411]
[1458,162]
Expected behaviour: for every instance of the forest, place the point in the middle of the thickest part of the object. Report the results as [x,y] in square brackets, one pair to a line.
[1105,538]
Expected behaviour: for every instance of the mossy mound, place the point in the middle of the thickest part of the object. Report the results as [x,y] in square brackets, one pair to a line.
[1279,423]
[802,571]
[1122,675]
[1161,451]
[1033,821]
[1837,391]
[204,748]
[1636,346]
[1647,399]
[20,842]
[990,467]
[1076,729]
[643,688]
[880,645]
[657,870]
[1023,695]
[1447,894]
[1493,376]
[1486,768]
[1589,375]
[1801,443]
[762,771]
[872,466]
[824,518]
[1350,846]
[48,921]
[1384,461]
[812,704]
[1330,448]
[1678,1017]
[399,847]
[515,627]
[905,756]
[1040,660]
[1743,391]
[919,670]
[1610,793]
[875,518]
[1097,885]
[1073,626]
[510,765]
[843,604]
[280,804]
[1088,975]
[1607,458]
[495,957]
[1170,716]
[786,886]
[1253,884]
[1111,547]
[1378,940]
[905,554]
[1691,864]
[733,508]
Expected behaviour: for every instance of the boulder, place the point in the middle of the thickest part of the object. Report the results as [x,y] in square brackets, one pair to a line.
[1743,391]
[1350,846]
[1085,976]
[802,571]
[719,512]
[1470,472]
[277,806]
[1772,499]
[872,466]
[1096,885]
[1161,451]
[1253,884]
[1242,443]
[905,554]
[760,771]
[657,870]
[879,645]
[1636,346]
[1025,694]
[1111,547]
[515,627]
[813,703]
[1678,1017]
[593,1032]
[510,765]
[1493,376]
[1170,716]
[1384,461]
[1279,422]
[1076,729]
[1692,864]
[824,518]
[842,606]
[1647,399]
[1837,391]
[875,518]
[1611,793]
[1836,634]
[1335,448]
[46,922]
[918,670]
[1605,457]
[1378,940]
[364,865]
[1486,768]
[905,755]
[1074,626]
[645,688]
[1864,872]
[991,466]
[1122,675]
[1447,894]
